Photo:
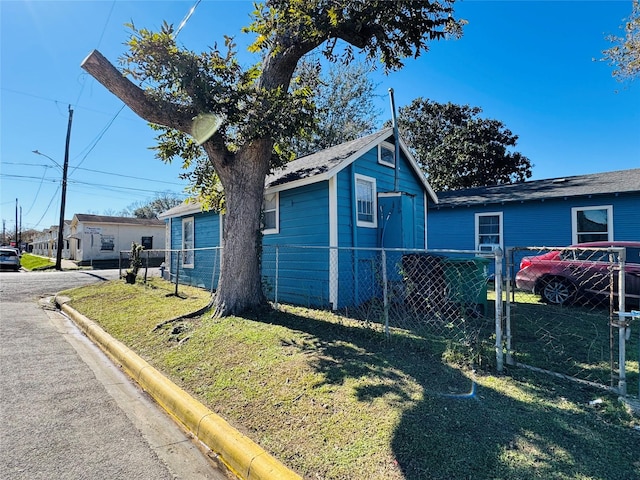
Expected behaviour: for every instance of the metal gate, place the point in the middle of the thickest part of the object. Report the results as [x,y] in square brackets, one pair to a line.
[565,315]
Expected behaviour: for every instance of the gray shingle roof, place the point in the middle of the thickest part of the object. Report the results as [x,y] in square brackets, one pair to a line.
[87,218]
[324,160]
[319,164]
[621,181]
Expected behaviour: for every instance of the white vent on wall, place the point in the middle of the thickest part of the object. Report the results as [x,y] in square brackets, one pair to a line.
[488,247]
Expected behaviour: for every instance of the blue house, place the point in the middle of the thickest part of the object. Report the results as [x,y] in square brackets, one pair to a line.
[554,212]
[323,213]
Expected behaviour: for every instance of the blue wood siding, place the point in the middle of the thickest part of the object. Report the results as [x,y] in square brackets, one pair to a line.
[303,274]
[304,216]
[408,183]
[357,270]
[545,223]
[206,262]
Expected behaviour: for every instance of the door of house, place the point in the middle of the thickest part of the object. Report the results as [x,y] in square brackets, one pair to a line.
[396,220]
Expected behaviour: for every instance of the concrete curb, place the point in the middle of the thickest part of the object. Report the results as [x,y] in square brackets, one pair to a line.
[238,452]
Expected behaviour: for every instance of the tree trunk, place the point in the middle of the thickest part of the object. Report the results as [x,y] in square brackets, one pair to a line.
[240,284]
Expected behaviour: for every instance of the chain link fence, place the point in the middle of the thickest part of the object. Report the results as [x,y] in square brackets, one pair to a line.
[152,260]
[567,312]
[443,294]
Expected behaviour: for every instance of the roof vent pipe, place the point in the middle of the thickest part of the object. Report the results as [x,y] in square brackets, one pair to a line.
[396,155]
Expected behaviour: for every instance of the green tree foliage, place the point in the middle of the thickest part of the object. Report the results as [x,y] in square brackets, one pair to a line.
[624,55]
[344,104]
[261,112]
[456,148]
[151,209]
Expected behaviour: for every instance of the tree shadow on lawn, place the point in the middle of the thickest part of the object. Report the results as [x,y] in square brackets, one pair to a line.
[456,428]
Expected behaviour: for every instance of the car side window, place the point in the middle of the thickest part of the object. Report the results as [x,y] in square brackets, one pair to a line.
[633,255]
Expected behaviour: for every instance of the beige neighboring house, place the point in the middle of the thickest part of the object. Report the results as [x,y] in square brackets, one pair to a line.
[46,242]
[96,239]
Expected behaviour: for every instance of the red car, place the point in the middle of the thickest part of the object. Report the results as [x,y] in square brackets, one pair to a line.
[580,272]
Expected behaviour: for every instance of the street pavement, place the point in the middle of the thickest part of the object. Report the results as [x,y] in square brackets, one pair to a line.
[66,412]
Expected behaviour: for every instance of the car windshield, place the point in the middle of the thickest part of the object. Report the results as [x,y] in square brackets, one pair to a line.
[8,253]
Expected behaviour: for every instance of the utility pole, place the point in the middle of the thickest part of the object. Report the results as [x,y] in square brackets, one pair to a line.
[64,195]
[15,239]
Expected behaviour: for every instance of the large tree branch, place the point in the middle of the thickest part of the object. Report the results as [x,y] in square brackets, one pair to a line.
[155,111]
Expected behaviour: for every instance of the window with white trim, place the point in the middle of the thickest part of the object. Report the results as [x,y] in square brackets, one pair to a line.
[387,154]
[270,214]
[592,224]
[188,242]
[488,231]
[366,201]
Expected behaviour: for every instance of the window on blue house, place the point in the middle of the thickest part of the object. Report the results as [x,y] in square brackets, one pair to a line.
[188,243]
[488,231]
[270,217]
[366,201]
[387,154]
[592,224]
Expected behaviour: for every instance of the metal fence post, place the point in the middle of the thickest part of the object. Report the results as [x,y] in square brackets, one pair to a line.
[277,276]
[622,328]
[508,295]
[178,270]
[385,293]
[498,289]
[636,315]
[146,268]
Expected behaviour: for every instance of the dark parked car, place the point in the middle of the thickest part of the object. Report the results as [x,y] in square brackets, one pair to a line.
[580,272]
[9,258]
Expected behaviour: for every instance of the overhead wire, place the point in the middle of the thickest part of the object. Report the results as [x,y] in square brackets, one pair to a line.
[96,171]
[101,134]
[37,193]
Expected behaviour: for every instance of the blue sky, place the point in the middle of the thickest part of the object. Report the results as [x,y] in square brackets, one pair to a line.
[529,64]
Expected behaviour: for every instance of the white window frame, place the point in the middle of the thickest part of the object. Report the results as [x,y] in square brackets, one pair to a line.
[374,202]
[188,259]
[574,221]
[386,146]
[500,227]
[276,229]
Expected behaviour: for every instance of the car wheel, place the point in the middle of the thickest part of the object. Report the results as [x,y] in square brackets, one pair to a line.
[557,291]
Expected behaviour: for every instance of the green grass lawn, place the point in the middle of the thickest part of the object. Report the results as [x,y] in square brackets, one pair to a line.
[334,399]
[34,262]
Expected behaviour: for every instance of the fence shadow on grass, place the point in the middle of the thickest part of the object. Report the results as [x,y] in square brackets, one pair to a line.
[455,428]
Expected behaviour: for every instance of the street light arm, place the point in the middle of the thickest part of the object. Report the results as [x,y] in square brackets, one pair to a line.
[47,156]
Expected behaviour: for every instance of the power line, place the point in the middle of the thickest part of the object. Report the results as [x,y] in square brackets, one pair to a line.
[95,171]
[80,182]
[37,193]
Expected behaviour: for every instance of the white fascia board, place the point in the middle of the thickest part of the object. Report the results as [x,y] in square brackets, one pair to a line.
[189,209]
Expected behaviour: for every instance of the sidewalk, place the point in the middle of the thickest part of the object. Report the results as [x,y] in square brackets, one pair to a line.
[67,413]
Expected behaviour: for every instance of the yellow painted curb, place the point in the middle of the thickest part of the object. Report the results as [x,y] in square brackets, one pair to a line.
[239,453]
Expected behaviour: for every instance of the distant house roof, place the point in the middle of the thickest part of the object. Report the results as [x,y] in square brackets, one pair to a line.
[317,167]
[621,181]
[87,218]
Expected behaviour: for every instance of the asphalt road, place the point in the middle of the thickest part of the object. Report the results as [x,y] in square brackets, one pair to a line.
[66,412]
